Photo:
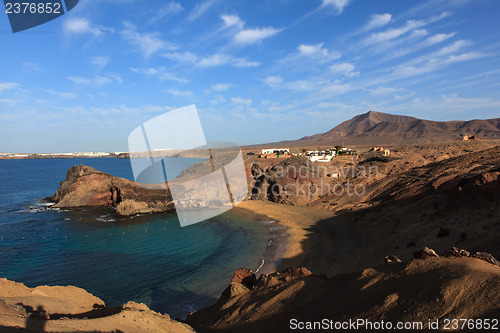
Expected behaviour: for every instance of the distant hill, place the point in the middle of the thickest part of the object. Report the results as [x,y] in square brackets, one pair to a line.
[383,128]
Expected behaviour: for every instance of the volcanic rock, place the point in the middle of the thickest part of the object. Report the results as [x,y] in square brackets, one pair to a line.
[85,186]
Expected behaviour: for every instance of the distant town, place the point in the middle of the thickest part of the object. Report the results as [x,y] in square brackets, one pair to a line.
[14,156]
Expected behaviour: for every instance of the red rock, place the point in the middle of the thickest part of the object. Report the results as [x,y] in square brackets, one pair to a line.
[425,253]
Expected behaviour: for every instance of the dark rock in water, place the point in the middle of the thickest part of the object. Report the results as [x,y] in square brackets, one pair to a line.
[392,259]
[425,253]
[85,186]
[410,244]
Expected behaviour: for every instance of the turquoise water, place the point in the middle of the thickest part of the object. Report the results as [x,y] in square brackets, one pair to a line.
[148,259]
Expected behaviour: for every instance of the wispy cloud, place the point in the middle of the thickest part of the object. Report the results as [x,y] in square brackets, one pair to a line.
[376,21]
[100,62]
[232,21]
[160,73]
[214,60]
[96,81]
[80,25]
[273,80]
[393,33]
[8,85]
[239,100]
[181,56]
[145,43]
[221,86]
[200,9]
[180,93]
[29,66]
[338,5]
[379,91]
[62,94]
[223,59]
[167,10]
[317,51]
[251,36]
[344,68]
[434,64]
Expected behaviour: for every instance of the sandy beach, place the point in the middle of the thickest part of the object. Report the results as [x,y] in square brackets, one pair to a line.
[317,239]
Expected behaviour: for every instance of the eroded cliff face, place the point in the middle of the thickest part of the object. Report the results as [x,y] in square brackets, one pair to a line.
[458,284]
[72,309]
[85,186]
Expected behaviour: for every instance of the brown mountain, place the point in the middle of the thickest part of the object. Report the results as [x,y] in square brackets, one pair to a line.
[382,128]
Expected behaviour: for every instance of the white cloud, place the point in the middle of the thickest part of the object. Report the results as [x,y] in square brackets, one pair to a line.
[310,49]
[387,35]
[76,25]
[251,36]
[232,20]
[220,59]
[100,62]
[200,9]
[239,100]
[169,9]
[8,85]
[32,67]
[159,72]
[434,64]
[221,86]
[273,80]
[339,5]
[376,21]
[9,101]
[451,48]
[117,77]
[379,91]
[62,94]
[213,60]
[97,81]
[316,52]
[181,56]
[242,62]
[344,68]
[146,43]
[438,38]
[180,93]
[80,80]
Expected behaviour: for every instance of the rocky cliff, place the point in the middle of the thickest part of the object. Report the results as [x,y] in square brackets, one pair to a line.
[85,186]
[457,285]
[72,309]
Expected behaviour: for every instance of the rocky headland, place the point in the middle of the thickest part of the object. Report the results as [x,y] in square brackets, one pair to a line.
[428,288]
[85,186]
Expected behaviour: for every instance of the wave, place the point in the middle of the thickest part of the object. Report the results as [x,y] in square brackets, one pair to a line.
[105,218]
[262,264]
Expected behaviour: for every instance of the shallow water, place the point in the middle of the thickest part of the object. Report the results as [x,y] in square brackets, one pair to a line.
[148,259]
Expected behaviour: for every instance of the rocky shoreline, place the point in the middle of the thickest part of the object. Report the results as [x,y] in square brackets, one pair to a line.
[85,186]
[268,302]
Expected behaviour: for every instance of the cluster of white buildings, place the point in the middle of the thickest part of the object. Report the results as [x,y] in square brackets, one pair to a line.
[56,155]
[313,155]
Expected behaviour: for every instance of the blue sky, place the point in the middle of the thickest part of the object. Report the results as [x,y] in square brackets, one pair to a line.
[258,71]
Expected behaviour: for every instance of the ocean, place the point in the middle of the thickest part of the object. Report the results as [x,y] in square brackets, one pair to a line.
[148,259]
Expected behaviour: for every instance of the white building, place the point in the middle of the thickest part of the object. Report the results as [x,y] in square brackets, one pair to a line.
[275,150]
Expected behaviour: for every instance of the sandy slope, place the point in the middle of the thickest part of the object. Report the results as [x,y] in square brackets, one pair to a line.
[72,309]
[415,291]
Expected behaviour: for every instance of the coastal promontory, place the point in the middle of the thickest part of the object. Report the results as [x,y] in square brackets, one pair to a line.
[85,186]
